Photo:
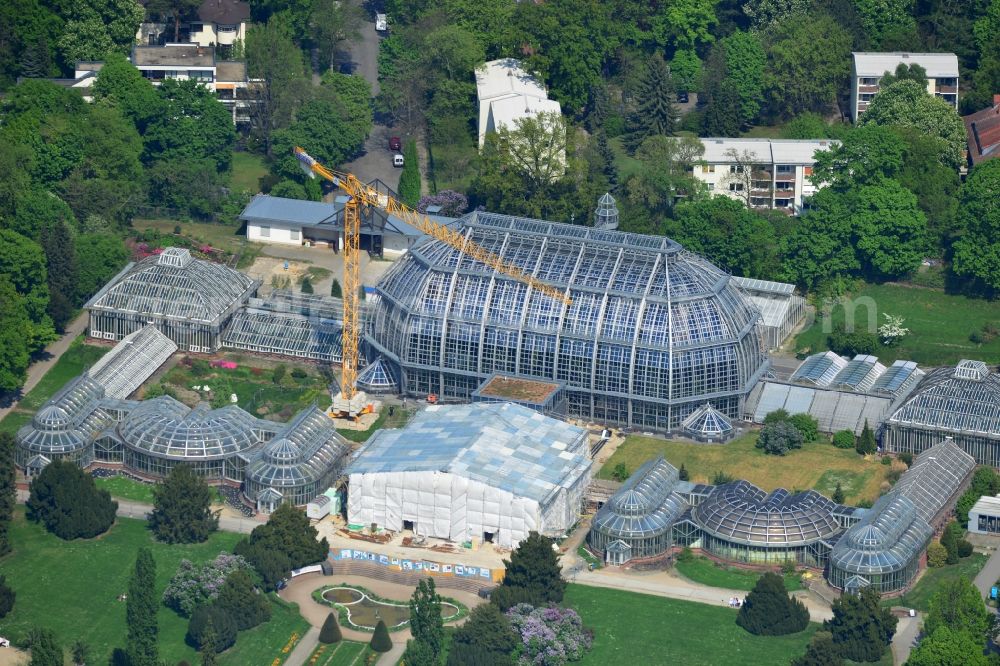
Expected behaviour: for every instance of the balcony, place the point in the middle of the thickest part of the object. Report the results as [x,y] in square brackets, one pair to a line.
[946,90]
[868,89]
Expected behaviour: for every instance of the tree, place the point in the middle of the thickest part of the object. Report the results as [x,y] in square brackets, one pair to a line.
[409,180]
[904,72]
[655,113]
[867,155]
[182,508]
[178,10]
[976,255]
[689,22]
[306,286]
[242,602]
[685,69]
[22,262]
[609,166]
[209,643]
[683,474]
[908,104]
[807,66]
[937,555]
[16,334]
[7,597]
[532,575]
[620,472]
[887,22]
[222,625]
[935,184]
[486,639]
[667,173]
[838,494]
[844,439]
[140,612]
[380,641]
[722,116]
[949,540]
[330,632]
[820,652]
[426,625]
[45,651]
[779,438]
[194,125]
[60,264]
[860,627]
[335,289]
[120,84]
[535,148]
[354,94]
[324,126]
[99,257]
[945,645]
[65,499]
[959,607]
[866,443]
[287,541]
[768,610]
[330,24]
[807,426]
[96,28]
[890,228]
[275,65]
[745,60]
[80,653]
[450,203]
[852,343]
[8,490]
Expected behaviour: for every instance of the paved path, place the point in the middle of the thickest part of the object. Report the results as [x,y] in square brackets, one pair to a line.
[905,639]
[989,574]
[52,353]
[304,648]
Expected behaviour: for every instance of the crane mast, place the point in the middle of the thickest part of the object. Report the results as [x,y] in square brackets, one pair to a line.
[360,194]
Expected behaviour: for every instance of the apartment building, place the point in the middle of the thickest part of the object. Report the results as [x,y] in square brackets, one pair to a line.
[867,70]
[761,173]
[220,23]
[226,78]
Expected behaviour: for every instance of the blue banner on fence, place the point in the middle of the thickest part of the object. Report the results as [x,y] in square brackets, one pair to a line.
[403,564]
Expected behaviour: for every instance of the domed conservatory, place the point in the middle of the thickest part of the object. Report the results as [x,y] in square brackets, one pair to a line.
[652,333]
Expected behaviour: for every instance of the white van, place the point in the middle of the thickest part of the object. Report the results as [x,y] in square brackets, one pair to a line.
[381,22]
[397,160]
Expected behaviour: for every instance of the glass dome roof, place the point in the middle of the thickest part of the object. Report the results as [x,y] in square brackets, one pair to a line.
[889,536]
[174,285]
[306,450]
[743,513]
[67,421]
[166,428]
[645,505]
[377,376]
[280,451]
[706,421]
[961,399]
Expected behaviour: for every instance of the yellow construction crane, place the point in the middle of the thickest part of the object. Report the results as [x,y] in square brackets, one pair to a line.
[361,194]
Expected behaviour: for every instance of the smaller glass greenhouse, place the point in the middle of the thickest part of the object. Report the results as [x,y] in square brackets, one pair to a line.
[707,424]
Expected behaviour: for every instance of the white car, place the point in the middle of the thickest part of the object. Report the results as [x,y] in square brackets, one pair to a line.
[397,160]
[381,22]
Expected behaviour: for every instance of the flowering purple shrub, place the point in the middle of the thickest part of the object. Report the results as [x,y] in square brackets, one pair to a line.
[452,203]
[550,636]
[196,584]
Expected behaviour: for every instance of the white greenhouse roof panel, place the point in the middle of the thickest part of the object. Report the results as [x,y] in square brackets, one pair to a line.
[132,361]
[503,445]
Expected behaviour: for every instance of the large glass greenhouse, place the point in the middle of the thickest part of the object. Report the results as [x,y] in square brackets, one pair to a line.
[190,300]
[637,522]
[962,403]
[883,550]
[742,523]
[652,333]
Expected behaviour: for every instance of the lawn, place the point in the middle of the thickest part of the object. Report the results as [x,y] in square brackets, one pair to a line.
[933,578]
[247,170]
[705,571]
[939,323]
[75,360]
[72,587]
[222,236]
[812,466]
[127,489]
[632,628]
[344,653]
[265,643]
[628,166]
[397,420]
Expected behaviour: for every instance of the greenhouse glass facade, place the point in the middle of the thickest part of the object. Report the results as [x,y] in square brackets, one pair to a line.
[962,403]
[653,331]
[639,518]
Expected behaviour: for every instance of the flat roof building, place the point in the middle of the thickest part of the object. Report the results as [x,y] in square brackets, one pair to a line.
[506,92]
[484,471]
[867,70]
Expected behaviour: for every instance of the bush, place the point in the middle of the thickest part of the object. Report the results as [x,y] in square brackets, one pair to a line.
[620,472]
[686,555]
[866,443]
[330,633]
[7,597]
[936,554]
[788,567]
[335,290]
[721,478]
[843,439]
[196,585]
[964,548]
[65,499]
[852,344]
[906,458]
[222,622]
[769,611]
[380,639]
[550,631]
[886,460]
[177,230]
[777,416]
[807,426]
[299,373]
[682,473]
[244,604]
[279,373]
[779,438]
[306,287]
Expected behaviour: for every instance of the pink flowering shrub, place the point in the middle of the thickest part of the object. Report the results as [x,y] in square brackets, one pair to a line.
[453,204]
[550,636]
[197,584]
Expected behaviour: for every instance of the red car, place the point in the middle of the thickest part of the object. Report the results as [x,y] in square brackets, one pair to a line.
[395,143]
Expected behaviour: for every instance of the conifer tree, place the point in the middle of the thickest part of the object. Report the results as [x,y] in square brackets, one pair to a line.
[65,499]
[683,474]
[838,494]
[209,640]
[820,652]
[866,443]
[655,113]
[533,575]
[335,290]
[380,639]
[769,611]
[330,633]
[485,638]
[140,612]
[860,627]
[8,489]
[7,597]
[610,169]
[426,625]
[182,508]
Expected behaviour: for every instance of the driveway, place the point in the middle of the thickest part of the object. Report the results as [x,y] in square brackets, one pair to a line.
[989,574]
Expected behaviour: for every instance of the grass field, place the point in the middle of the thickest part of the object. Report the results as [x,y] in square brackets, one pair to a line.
[222,236]
[344,653]
[933,578]
[632,628]
[75,360]
[72,587]
[812,466]
[397,420]
[705,571]
[127,489]
[939,324]
[628,166]
[265,643]
[247,170]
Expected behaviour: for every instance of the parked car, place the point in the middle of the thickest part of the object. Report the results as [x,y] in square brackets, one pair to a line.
[395,144]
[397,160]
[381,22]
[682,97]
